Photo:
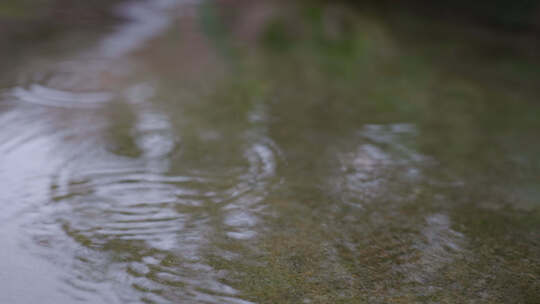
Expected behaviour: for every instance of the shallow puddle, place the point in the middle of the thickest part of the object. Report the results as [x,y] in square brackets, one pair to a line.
[265,152]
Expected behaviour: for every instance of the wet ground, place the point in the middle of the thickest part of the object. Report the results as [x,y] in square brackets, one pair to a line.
[264,152]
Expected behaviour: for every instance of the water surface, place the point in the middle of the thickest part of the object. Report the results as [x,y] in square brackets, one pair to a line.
[262,152]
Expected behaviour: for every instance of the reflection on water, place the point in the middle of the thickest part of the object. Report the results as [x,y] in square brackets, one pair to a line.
[51,97]
[226,152]
[382,158]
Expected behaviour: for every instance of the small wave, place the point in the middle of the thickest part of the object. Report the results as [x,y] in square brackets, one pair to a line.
[41,95]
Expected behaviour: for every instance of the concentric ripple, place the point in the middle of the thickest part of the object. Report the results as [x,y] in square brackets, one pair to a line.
[99,191]
[154,227]
[125,227]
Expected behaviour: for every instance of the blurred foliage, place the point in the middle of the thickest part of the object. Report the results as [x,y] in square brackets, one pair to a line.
[16,9]
[516,14]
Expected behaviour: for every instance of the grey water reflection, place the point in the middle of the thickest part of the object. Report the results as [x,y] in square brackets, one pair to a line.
[383,158]
[268,152]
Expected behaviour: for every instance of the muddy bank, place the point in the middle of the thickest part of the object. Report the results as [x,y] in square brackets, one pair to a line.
[23,24]
[39,19]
